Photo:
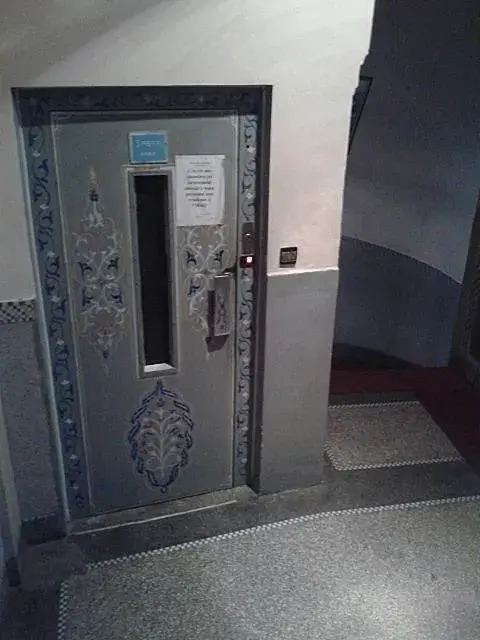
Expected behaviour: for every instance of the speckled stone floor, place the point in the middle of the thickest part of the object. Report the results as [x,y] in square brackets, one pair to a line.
[382,573]
[31,611]
[373,435]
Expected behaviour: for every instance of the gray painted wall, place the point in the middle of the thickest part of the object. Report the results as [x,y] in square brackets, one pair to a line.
[10,522]
[468,308]
[25,414]
[414,168]
[2,569]
[394,304]
[299,330]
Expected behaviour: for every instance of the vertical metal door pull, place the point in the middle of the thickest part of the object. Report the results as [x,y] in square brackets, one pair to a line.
[223,301]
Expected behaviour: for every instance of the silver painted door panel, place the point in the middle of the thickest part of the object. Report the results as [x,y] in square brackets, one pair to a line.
[155,437]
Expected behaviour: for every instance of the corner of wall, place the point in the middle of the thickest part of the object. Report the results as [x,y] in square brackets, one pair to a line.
[300,321]
[26,420]
[10,523]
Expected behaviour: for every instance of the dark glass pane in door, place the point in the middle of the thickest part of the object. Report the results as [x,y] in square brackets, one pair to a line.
[152,204]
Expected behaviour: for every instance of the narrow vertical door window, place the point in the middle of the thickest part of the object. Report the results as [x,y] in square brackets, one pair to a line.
[152,203]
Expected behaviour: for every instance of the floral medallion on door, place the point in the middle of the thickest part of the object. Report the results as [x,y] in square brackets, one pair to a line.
[204,254]
[99,269]
[160,437]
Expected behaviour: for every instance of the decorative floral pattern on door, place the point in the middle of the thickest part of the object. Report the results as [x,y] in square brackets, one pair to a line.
[99,269]
[37,109]
[160,437]
[204,254]
[245,337]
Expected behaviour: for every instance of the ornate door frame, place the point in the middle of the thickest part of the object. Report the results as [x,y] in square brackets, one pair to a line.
[35,108]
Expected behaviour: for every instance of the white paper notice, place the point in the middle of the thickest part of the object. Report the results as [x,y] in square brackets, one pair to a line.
[200,190]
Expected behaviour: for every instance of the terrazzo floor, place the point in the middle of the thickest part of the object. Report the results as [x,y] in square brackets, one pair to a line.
[32,610]
[383,573]
[368,436]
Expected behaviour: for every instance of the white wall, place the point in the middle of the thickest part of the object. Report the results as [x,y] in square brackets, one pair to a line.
[414,168]
[310,51]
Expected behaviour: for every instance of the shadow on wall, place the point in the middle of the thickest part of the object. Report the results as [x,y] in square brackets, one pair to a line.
[391,303]
[61,27]
[411,182]
[346,357]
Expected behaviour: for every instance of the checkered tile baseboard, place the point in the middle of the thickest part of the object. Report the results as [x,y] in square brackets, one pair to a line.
[13,311]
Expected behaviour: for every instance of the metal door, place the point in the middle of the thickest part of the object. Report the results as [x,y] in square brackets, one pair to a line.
[152,305]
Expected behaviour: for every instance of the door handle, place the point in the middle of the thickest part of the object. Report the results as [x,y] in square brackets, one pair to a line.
[223,304]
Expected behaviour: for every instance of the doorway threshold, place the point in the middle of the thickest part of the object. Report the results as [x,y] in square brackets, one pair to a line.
[161,511]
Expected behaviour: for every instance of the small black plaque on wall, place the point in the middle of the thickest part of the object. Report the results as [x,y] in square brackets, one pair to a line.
[288,256]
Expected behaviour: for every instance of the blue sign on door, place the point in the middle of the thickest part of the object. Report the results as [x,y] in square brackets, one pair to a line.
[148,146]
